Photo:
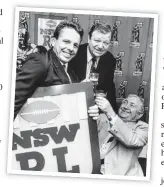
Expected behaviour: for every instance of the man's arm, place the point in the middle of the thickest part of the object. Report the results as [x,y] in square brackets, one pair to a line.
[135,135]
[130,137]
[28,79]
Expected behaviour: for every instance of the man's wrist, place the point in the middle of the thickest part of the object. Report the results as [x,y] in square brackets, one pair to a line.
[112,120]
[111,115]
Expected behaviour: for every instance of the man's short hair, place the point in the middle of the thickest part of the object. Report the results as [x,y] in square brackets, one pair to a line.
[141,108]
[68,24]
[41,49]
[101,27]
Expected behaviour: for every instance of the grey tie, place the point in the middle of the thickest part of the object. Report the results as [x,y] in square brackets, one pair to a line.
[64,66]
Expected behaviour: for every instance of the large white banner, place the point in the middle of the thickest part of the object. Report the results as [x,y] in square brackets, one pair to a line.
[46,28]
[49,135]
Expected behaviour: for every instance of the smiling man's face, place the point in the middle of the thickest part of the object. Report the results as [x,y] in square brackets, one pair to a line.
[129,109]
[99,43]
[67,44]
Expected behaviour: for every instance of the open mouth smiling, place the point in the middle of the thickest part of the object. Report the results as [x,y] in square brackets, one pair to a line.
[125,111]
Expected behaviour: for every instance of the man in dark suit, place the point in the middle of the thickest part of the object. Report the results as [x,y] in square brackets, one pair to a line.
[41,70]
[94,56]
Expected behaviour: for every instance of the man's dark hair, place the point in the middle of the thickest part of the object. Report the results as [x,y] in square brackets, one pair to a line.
[68,24]
[41,49]
[101,27]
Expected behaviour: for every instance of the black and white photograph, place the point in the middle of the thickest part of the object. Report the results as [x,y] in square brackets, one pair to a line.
[82,93]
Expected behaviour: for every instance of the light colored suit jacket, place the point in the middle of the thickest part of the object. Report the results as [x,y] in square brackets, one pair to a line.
[121,157]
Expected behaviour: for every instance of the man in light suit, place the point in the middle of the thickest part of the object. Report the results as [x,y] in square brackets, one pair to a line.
[122,136]
[42,70]
[95,57]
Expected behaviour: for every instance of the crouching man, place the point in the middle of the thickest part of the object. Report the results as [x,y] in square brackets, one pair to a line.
[122,136]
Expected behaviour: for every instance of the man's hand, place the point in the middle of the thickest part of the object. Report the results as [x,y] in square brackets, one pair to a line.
[94,112]
[105,106]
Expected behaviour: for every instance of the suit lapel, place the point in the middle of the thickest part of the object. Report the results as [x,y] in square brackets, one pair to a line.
[98,66]
[85,61]
[82,64]
[112,144]
[72,75]
[58,68]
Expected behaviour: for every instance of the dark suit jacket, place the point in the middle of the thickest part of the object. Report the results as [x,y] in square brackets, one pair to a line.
[106,67]
[39,71]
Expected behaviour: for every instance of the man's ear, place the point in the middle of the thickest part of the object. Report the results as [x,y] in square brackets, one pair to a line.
[53,41]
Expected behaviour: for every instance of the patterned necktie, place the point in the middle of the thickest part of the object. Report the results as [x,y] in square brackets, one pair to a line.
[93,67]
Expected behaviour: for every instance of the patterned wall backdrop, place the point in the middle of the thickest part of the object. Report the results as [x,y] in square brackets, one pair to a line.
[131,44]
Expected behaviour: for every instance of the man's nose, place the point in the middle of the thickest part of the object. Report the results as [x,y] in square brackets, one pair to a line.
[101,45]
[126,106]
[71,47]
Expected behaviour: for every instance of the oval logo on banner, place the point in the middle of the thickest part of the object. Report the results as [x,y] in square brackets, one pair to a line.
[40,112]
[51,23]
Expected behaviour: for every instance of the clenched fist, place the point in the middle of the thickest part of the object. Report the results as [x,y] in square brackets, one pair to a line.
[105,106]
[94,112]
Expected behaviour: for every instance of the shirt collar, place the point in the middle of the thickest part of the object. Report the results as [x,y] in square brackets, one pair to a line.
[66,65]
